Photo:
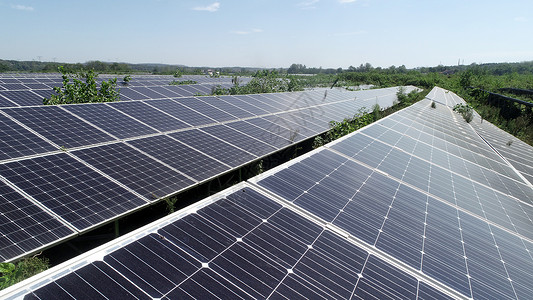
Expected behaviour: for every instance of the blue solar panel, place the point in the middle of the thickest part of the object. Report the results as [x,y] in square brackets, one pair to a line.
[227,107]
[240,102]
[241,140]
[59,126]
[135,170]
[25,227]
[110,120]
[23,98]
[16,141]
[131,94]
[214,147]
[264,135]
[181,157]
[149,115]
[148,92]
[243,245]
[206,109]
[73,191]
[181,112]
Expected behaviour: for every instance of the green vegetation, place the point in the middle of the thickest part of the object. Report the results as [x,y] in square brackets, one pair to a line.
[13,273]
[465,110]
[433,104]
[263,82]
[126,80]
[183,82]
[363,118]
[171,204]
[83,89]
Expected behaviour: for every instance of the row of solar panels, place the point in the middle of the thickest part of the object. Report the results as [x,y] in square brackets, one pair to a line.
[67,169]
[512,149]
[35,97]
[30,91]
[367,216]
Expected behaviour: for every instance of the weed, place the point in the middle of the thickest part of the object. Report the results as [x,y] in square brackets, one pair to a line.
[11,273]
[171,204]
[465,110]
[433,105]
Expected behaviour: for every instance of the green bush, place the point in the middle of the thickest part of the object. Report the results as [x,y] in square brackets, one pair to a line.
[465,110]
[12,273]
[83,89]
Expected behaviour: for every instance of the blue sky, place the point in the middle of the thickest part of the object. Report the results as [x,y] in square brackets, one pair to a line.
[269,33]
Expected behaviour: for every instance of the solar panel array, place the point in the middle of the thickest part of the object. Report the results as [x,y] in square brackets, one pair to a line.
[87,165]
[30,89]
[367,216]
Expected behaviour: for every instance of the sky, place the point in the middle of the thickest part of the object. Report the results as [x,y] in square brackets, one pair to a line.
[269,33]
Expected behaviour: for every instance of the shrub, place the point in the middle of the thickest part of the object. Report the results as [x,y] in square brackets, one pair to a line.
[83,89]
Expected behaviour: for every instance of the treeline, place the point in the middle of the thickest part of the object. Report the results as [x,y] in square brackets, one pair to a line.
[119,68]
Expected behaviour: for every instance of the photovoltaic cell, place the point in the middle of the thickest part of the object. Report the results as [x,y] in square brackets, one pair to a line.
[206,109]
[25,227]
[243,245]
[59,126]
[213,147]
[226,107]
[135,170]
[181,112]
[110,120]
[73,191]
[23,98]
[241,140]
[266,136]
[149,115]
[16,141]
[181,157]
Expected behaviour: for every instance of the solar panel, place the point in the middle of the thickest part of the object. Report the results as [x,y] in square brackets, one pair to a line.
[181,92]
[164,91]
[206,109]
[73,191]
[291,133]
[149,115]
[241,245]
[144,175]
[181,112]
[264,135]
[25,227]
[240,140]
[253,100]
[226,107]
[110,120]
[149,93]
[131,94]
[23,98]
[180,157]
[214,147]
[240,102]
[59,126]
[16,141]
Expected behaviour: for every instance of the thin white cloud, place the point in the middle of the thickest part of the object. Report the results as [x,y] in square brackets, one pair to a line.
[346,1]
[245,32]
[210,8]
[21,7]
[520,19]
[310,4]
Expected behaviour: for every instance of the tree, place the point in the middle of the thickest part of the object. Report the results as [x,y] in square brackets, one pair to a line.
[82,89]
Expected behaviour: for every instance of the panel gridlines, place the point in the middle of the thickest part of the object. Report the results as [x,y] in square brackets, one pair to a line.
[248,246]
[243,246]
